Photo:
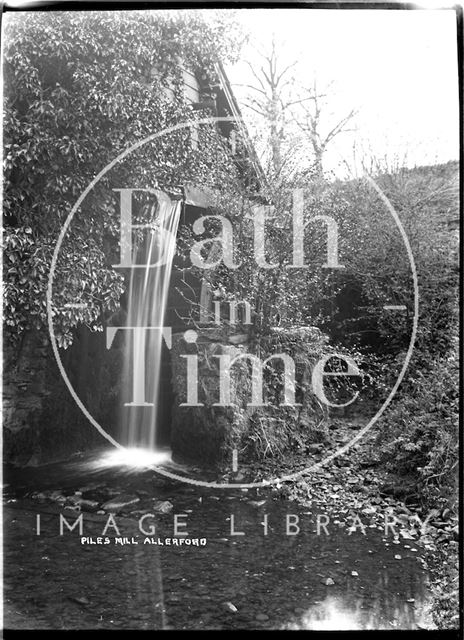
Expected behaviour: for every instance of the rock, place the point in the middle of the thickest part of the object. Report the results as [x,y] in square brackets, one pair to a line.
[239,338]
[162,506]
[80,600]
[257,503]
[34,461]
[118,503]
[88,505]
[354,573]
[261,617]
[315,447]
[91,487]
[402,508]
[329,582]
[397,557]
[445,537]
[57,495]
[408,535]
[81,503]
[230,607]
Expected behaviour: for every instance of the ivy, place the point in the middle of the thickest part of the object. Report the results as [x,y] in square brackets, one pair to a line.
[79,89]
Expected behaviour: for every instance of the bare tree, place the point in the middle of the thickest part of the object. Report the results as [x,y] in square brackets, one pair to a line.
[294,115]
[309,120]
[271,97]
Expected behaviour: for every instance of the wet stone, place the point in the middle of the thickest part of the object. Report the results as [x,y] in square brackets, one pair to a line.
[120,502]
[162,506]
[89,505]
[261,617]
[80,600]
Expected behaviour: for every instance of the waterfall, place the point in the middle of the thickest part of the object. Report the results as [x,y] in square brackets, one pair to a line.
[146,307]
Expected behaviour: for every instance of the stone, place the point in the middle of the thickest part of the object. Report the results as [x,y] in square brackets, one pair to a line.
[80,600]
[162,506]
[315,447]
[57,495]
[329,582]
[118,503]
[36,425]
[238,338]
[88,505]
[262,617]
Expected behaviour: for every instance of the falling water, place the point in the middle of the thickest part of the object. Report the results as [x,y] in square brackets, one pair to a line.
[147,301]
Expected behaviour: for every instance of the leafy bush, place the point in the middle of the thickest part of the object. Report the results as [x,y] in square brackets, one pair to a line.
[419,433]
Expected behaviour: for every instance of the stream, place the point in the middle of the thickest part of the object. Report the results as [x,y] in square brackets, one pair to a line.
[251,559]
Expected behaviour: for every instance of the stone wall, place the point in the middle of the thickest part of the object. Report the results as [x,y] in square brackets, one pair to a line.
[41,421]
[207,434]
[24,392]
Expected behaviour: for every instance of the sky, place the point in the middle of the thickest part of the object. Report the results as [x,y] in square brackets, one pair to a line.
[397,68]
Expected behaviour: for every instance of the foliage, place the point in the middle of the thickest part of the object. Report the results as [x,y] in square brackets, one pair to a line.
[445,589]
[419,433]
[377,266]
[348,304]
[79,89]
